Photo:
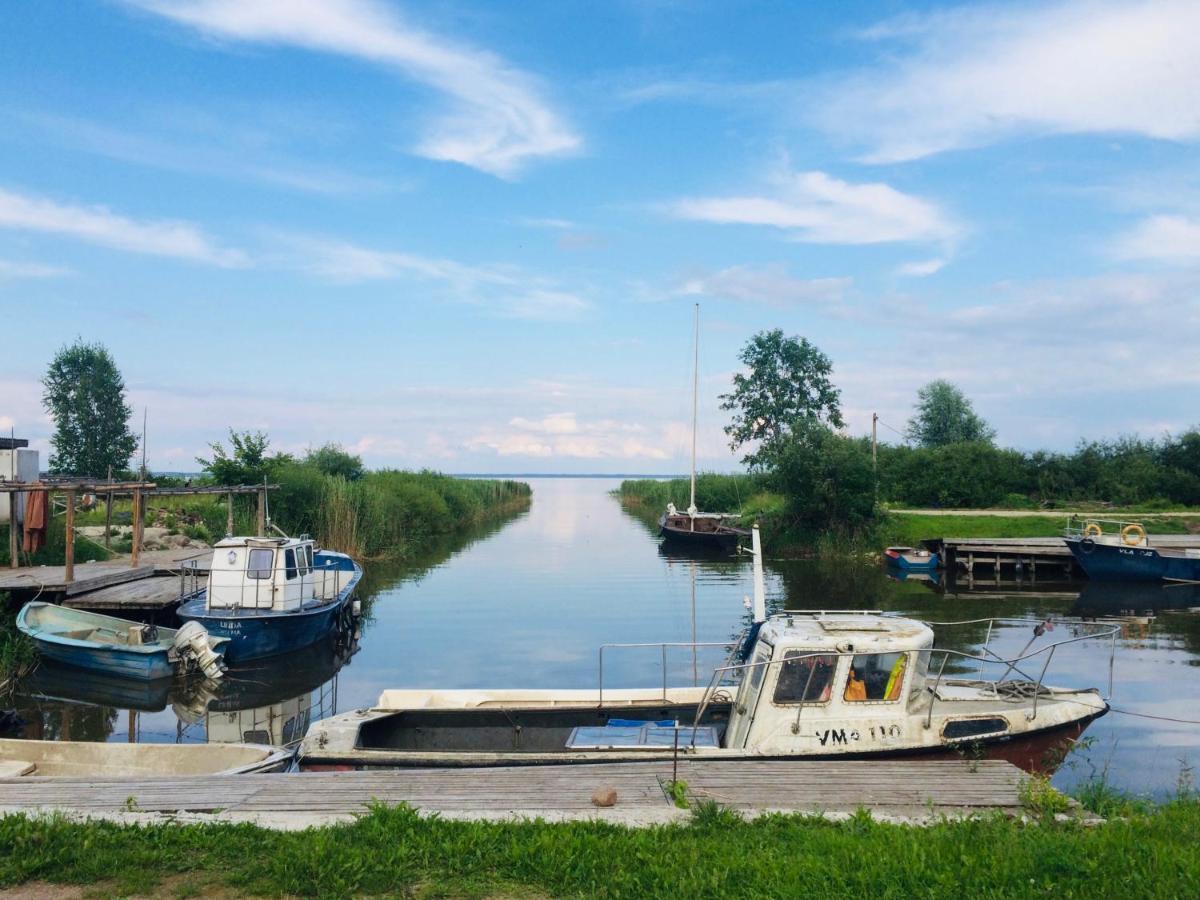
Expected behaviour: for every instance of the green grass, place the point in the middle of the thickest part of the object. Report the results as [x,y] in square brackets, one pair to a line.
[911,528]
[17,652]
[395,851]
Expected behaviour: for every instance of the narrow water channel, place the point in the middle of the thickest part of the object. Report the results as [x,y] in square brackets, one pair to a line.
[529,604]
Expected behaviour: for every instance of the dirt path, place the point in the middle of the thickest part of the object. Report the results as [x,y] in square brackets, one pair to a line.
[1046,513]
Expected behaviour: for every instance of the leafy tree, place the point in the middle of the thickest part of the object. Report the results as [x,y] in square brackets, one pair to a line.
[944,416]
[249,462]
[788,386]
[85,395]
[332,459]
[827,478]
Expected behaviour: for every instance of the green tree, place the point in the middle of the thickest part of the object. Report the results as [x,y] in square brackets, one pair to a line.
[787,386]
[827,479]
[85,396]
[248,463]
[944,416]
[333,459]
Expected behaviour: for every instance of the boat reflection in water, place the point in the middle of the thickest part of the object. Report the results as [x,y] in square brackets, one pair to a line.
[274,700]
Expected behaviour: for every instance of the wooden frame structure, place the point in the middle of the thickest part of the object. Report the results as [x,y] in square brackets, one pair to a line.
[139,490]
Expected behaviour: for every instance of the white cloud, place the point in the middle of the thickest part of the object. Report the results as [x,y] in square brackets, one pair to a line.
[506,291]
[1165,238]
[12,269]
[498,120]
[979,74]
[769,285]
[562,435]
[921,268]
[98,225]
[818,208]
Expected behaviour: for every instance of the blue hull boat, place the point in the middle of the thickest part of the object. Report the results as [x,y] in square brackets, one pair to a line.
[248,612]
[104,644]
[910,559]
[1115,562]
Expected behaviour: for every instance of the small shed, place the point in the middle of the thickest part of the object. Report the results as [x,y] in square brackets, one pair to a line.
[17,463]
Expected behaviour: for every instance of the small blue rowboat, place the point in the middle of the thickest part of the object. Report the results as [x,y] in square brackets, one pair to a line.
[117,646]
[272,595]
[910,559]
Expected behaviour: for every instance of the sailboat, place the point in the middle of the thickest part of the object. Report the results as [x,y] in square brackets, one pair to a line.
[692,527]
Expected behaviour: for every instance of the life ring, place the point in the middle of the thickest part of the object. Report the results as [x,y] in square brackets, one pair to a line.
[1087,545]
[1091,529]
[1134,529]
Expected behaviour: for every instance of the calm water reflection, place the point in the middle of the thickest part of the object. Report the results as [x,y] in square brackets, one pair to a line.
[527,605]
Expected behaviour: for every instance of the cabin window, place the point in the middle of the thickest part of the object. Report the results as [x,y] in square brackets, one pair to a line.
[804,678]
[308,554]
[875,677]
[260,563]
[289,563]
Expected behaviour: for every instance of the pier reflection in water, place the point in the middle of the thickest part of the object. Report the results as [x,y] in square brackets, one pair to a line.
[529,603]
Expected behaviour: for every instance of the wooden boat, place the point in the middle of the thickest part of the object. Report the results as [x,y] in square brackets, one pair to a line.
[118,646]
[88,759]
[813,684]
[911,559]
[692,527]
[269,595]
[1123,551]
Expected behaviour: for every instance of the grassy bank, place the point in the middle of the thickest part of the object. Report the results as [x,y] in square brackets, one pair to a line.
[53,553]
[749,496]
[17,652]
[395,851]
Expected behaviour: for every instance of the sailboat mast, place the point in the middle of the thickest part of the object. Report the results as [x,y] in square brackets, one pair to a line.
[695,405]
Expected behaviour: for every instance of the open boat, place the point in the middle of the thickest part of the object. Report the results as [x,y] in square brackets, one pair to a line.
[1124,552]
[812,684]
[692,527]
[117,646]
[270,595]
[86,759]
[911,559]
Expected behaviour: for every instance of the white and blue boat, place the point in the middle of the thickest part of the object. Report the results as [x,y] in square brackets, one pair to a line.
[119,647]
[1123,552]
[911,559]
[271,595]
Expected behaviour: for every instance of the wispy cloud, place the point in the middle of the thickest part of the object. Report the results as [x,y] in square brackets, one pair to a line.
[971,76]
[564,435]
[14,269]
[820,209]
[505,291]
[921,268]
[768,285]
[1165,238]
[498,120]
[98,225]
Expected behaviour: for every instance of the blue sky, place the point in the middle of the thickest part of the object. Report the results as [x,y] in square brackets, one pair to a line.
[469,235]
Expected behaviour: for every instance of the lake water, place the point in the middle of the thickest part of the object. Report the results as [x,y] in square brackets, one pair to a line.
[528,604]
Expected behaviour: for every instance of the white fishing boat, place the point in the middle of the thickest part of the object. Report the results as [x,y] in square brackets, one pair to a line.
[87,759]
[816,683]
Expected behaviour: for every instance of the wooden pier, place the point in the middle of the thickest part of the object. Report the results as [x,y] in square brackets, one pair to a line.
[1025,557]
[911,789]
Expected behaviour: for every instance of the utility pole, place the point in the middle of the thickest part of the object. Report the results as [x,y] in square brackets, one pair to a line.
[875,452]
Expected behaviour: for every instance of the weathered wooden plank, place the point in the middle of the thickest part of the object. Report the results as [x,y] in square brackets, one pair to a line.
[148,593]
[88,577]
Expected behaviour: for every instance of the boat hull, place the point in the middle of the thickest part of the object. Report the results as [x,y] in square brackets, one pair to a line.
[721,538]
[905,563]
[1113,562]
[114,661]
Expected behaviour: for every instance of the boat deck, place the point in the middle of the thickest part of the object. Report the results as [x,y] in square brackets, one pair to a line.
[911,789]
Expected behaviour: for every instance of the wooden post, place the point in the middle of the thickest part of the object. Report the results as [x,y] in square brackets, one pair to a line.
[13,545]
[136,522]
[132,727]
[229,514]
[262,512]
[875,453]
[69,552]
[108,516]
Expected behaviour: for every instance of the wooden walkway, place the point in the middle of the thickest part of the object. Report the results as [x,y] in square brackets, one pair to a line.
[1051,554]
[914,789]
[112,585]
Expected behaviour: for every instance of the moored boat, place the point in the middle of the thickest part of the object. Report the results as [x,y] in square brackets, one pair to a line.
[911,559]
[1124,552]
[86,759]
[817,683]
[120,647]
[270,595]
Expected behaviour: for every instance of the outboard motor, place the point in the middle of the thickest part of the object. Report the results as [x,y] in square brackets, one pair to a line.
[191,642]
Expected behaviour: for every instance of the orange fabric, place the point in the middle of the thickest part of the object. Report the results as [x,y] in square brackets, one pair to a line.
[35,521]
[856,689]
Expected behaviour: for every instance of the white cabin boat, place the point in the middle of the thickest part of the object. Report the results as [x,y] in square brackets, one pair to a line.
[814,684]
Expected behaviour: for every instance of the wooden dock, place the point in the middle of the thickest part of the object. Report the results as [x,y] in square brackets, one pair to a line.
[910,789]
[1025,556]
[112,585]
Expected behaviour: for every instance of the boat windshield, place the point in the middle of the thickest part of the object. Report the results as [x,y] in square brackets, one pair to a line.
[260,563]
[876,677]
[806,679]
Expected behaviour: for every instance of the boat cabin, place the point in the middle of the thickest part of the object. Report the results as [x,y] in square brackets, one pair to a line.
[275,573]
